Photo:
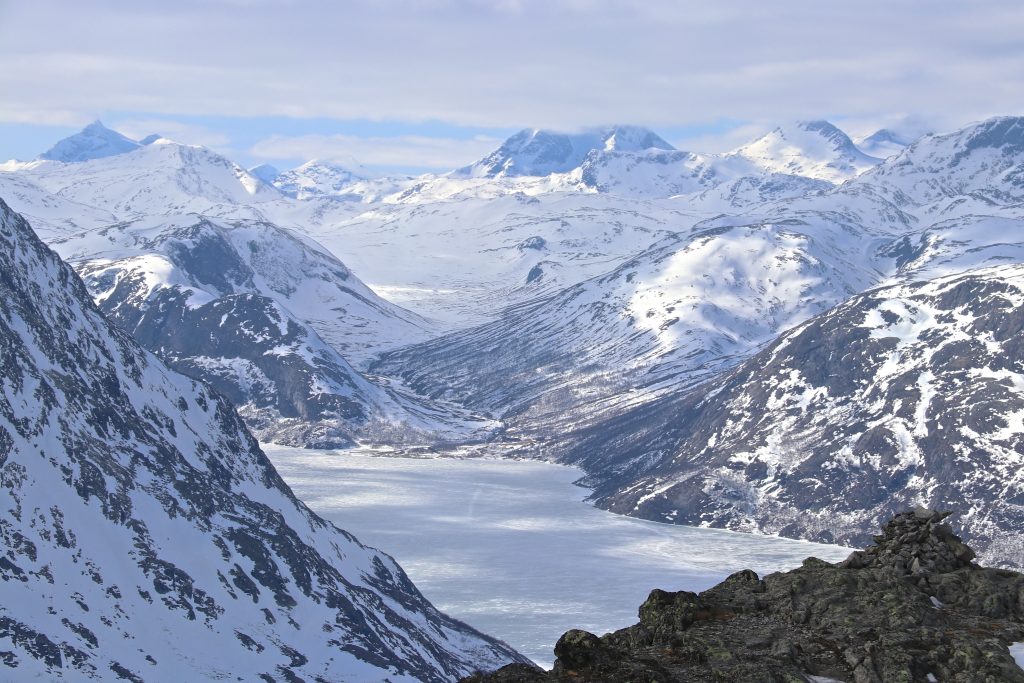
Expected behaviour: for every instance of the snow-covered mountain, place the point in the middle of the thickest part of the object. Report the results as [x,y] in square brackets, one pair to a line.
[884,143]
[907,395]
[607,364]
[216,257]
[95,141]
[689,306]
[320,179]
[789,161]
[707,182]
[267,317]
[983,163]
[536,152]
[462,259]
[582,280]
[145,535]
[163,177]
[813,149]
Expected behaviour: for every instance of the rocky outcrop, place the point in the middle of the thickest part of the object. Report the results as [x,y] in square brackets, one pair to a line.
[913,607]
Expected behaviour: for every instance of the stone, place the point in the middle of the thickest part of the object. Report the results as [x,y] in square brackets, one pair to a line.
[868,619]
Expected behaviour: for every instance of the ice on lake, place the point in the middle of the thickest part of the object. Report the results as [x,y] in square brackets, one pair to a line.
[511,548]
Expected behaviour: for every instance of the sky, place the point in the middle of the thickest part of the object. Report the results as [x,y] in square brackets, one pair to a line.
[435,84]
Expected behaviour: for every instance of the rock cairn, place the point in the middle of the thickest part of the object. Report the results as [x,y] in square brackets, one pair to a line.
[916,542]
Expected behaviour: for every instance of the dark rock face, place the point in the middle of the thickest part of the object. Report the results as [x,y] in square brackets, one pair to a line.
[873,618]
[145,536]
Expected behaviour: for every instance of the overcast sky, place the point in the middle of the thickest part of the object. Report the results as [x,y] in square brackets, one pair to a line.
[436,83]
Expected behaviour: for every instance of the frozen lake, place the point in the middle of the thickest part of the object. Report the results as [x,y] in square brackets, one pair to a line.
[510,548]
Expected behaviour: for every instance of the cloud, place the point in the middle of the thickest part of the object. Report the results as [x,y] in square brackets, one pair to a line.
[725,141]
[513,63]
[408,151]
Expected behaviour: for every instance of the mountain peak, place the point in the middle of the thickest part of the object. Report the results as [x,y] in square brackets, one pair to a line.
[816,149]
[887,135]
[826,129]
[541,152]
[320,178]
[622,138]
[265,172]
[884,143]
[95,141]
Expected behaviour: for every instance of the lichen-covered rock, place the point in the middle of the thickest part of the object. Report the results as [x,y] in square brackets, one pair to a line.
[915,542]
[914,607]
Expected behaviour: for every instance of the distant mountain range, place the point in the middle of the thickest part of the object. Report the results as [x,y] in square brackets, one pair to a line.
[589,295]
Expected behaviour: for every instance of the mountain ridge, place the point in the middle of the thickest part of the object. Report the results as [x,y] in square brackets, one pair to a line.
[147,536]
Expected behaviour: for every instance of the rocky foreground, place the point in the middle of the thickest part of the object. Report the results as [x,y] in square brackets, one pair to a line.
[913,607]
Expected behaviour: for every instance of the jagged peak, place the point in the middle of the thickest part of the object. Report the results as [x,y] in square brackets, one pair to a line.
[819,128]
[94,141]
[541,152]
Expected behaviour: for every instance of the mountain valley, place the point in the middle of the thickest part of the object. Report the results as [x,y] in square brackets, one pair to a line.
[795,338]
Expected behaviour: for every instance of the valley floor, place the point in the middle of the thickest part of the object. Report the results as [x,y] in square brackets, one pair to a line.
[511,547]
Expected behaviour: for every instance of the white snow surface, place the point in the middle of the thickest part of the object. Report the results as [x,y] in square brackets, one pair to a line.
[512,548]
[815,149]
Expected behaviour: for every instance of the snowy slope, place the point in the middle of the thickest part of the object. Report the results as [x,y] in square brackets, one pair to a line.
[232,257]
[319,179]
[95,141]
[687,307]
[814,149]
[983,161]
[883,143]
[52,216]
[536,152]
[903,396]
[704,181]
[161,178]
[266,317]
[265,172]
[460,260]
[146,536]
